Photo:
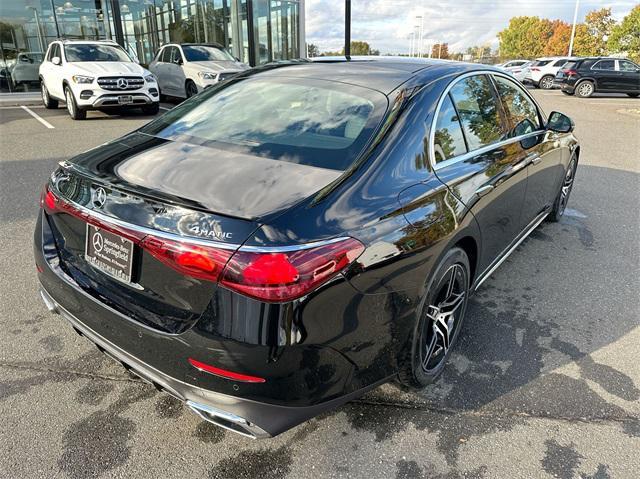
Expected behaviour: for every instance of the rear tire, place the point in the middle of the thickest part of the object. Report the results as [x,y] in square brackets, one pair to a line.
[190,88]
[633,95]
[546,82]
[151,109]
[72,107]
[585,89]
[47,101]
[440,317]
[560,204]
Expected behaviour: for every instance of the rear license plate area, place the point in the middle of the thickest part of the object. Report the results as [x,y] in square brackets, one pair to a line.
[110,253]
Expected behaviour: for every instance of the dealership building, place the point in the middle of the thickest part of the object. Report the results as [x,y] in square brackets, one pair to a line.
[255,31]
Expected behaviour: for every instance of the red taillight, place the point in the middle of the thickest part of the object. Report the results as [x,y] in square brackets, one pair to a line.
[535,69]
[189,259]
[224,373]
[569,72]
[288,275]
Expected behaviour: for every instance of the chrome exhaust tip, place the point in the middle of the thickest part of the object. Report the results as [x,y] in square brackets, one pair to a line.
[228,421]
[49,303]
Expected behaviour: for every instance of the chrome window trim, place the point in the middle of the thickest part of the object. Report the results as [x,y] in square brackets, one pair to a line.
[201,242]
[615,65]
[470,154]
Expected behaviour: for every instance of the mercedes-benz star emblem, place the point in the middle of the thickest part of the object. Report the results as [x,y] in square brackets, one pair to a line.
[122,83]
[99,197]
[97,241]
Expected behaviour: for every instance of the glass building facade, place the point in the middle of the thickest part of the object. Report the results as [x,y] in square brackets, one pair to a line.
[255,31]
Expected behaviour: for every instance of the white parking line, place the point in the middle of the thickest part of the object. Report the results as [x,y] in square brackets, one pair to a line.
[165,108]
[38,117]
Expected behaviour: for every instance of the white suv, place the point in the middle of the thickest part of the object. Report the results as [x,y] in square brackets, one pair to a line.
[543,70]
[92,75]
[188,68]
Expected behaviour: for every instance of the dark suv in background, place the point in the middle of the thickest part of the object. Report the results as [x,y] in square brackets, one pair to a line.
[587,76]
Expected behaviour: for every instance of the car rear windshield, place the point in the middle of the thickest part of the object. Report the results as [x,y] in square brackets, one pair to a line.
[205,53]
[540,63]
[91,52]
[569,65]
[311,122]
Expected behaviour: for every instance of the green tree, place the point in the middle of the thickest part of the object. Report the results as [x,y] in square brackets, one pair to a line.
[599,24]
[361,48]
[525,37]
[312,50]
[625,37]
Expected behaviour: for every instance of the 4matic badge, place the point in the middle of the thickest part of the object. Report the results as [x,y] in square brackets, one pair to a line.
[209,229]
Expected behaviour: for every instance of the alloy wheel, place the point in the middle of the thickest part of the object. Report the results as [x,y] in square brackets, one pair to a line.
[567,185]
[444,317]
[585,89]
[546,83]
[45,94]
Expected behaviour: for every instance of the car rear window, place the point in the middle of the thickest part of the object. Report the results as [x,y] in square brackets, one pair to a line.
[569,65]
[313,122]
[540,63]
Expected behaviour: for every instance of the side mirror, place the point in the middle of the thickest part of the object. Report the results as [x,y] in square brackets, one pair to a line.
[56,61]
[559,122]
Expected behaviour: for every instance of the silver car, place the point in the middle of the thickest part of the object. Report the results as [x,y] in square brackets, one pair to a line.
[185,69]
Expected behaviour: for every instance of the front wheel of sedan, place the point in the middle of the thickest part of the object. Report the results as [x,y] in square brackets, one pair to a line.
[585,89]
[440,318]
[565,191]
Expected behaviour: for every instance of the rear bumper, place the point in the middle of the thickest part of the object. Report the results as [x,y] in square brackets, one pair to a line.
[213,407]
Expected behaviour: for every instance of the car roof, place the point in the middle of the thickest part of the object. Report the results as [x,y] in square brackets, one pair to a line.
[97,42]
[384,74]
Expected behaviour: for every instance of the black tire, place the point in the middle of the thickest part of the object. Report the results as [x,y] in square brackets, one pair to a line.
[633,95]
[72,107]
[151,109]
[560,204]
[585,89]
[190,88]
[546,82]
[47,101]
[437,315]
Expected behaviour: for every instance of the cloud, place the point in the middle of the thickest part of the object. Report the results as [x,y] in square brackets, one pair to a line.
[387,24]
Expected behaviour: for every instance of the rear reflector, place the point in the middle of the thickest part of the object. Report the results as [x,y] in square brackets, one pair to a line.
[223,373]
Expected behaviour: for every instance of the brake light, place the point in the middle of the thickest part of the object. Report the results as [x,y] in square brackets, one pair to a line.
[534,69]
[288,275]
[201,262]
[224,373]
[569,72]
[517,71]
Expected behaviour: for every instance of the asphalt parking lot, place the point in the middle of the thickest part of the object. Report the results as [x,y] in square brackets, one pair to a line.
[545,381]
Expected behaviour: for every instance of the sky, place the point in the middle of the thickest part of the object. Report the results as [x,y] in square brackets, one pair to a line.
[387,24]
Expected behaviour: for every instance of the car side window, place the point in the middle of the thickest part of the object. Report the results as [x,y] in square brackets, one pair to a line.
[521,109]
[627,66]
[559,63]
[448,139]
[608,65]
[175,54]
[55,51]
[478,111]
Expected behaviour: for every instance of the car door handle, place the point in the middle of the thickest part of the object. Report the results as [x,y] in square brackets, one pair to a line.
[484,190]
[535,159]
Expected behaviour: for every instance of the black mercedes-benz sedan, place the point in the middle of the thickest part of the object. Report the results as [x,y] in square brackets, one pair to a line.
[293,237]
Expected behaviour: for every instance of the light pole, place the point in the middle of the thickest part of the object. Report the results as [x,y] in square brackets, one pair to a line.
[411,40]
[421,30]
[347,28]
[573,29]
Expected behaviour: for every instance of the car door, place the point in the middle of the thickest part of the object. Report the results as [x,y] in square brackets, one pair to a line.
[175,74]
[480,165]
[156,67]
[629,76]
[536,149]
[605,74]
[55,75]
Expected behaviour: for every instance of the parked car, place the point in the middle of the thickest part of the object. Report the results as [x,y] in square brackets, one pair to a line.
[543,70]
[587,76]
[25,70]
[91,75]
[188,68]
[520,72]
[512,64]
[265,261]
